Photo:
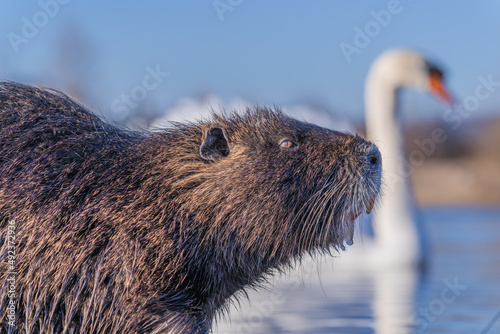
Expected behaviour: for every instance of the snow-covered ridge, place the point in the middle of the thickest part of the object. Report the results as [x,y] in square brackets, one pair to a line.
[189,109]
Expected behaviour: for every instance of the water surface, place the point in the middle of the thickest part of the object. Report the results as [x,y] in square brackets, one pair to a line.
[458,293]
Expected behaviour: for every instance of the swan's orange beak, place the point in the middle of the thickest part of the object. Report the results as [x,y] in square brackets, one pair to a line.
[437,88]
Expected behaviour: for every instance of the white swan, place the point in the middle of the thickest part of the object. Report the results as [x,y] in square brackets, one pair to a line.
[398,239]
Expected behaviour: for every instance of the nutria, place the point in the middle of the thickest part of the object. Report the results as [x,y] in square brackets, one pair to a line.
[119,231]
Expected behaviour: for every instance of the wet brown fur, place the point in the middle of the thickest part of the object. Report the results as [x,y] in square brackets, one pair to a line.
[127,232]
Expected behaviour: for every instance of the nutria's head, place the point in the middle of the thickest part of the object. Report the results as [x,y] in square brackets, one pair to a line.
[278,187]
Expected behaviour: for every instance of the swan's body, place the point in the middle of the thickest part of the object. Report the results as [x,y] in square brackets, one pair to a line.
[398,239]
[397,233]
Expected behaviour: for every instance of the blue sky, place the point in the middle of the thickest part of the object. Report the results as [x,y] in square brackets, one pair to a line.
[269,52]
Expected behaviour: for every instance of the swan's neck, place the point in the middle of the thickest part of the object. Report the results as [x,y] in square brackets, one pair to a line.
[384,129]
[394,223]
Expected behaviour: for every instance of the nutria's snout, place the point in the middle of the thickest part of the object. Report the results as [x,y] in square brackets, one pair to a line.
[374,158]
[374,166]
[362,162]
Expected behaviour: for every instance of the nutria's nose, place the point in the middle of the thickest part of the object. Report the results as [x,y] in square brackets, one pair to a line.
[373,157]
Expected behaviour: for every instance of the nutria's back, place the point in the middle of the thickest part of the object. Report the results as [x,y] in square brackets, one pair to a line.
[129,232]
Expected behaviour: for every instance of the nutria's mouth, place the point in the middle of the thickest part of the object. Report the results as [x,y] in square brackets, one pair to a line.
[328,217]
[349,234]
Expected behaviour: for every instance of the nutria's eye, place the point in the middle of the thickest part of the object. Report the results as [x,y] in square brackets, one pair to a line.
[288,144]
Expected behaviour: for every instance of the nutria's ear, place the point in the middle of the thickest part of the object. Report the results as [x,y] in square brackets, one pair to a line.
[215,145]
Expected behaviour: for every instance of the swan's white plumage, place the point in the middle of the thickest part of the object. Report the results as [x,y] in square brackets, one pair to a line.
[397,232]
[398,239]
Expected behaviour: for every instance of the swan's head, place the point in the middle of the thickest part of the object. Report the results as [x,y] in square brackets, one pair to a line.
[404,68]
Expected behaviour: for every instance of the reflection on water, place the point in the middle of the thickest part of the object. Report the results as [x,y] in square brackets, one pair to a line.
[459,292]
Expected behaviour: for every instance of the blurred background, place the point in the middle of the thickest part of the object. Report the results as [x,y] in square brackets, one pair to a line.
[286,53]
[144,63]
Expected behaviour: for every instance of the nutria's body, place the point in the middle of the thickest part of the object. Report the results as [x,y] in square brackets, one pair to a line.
[122,232]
